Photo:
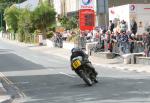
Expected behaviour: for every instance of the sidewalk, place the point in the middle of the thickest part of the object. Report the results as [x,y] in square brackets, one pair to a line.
[116,63]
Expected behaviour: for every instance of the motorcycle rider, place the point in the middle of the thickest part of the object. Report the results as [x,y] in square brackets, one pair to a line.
[79,52]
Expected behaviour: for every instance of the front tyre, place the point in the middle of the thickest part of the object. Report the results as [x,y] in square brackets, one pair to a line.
[86,79]
[96,80]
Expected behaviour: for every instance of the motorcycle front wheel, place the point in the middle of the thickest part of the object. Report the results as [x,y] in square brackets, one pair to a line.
[86,79]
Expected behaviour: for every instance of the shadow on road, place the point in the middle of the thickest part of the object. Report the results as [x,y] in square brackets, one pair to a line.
[54,87]
[58,88]
[12,62]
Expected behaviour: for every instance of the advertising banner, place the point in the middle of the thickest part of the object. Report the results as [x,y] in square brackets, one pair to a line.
[86,4]
[87,19]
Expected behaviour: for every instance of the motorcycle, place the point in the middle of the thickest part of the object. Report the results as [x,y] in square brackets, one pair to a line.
[83,71]
[58,42]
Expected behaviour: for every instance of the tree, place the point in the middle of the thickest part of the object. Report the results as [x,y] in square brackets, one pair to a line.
[50,2]
[25,24]
[73,22]
[11,17]
[44,15]
[68,23]
[7,3]
[64,21]
[4,4]
[25,21]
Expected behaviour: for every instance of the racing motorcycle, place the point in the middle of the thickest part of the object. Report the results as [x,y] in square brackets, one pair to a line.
[83,71]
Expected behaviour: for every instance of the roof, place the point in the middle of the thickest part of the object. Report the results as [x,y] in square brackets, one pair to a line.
[30,4]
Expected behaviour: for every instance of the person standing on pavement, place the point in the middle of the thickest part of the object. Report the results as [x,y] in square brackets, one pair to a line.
[89,36]
[103,39]
[115,40]
[82,40]
[123,43]
[123,26]
[111,26]
[132,40]
[64,35]
[147,45]
[134,26]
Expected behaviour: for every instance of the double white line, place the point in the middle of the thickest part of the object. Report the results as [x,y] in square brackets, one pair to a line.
[22,95]
[5,79]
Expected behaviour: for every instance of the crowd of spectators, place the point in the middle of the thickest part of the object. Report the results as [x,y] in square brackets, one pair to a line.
[116,38]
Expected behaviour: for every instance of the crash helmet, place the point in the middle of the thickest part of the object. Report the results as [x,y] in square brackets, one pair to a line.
[75,50]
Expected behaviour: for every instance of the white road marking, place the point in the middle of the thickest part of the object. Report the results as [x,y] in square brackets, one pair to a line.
[66,57]
[67,74]
[5,52]
[29,72]
[4,77]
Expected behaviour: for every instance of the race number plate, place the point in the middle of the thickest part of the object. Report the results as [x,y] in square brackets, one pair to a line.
[76,64]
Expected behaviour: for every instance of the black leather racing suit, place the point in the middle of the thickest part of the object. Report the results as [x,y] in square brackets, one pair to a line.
[85,59]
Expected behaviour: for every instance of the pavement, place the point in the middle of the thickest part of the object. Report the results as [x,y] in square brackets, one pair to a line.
[116,63]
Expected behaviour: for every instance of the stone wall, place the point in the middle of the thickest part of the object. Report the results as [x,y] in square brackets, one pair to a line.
[143,60]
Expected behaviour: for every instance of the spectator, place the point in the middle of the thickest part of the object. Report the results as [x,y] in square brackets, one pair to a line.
[133,26]
[123,43]
[108,41]
[97,36]
[65,35]
[132,39]
[94,35]
[117,29]
[89,36]
[82,39]
[123,26]
[111,26]
[103,39]
[147,45]
[112,42]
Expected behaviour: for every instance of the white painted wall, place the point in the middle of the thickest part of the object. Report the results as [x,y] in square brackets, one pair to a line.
[72,5]
[57,6]
[139,12]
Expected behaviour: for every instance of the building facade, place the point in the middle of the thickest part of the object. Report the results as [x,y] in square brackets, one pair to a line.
[71,7]
[103,5]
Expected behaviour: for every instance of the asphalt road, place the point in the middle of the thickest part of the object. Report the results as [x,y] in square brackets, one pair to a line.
[45,78]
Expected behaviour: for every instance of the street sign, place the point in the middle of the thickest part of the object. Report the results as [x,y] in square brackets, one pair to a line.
[87,19]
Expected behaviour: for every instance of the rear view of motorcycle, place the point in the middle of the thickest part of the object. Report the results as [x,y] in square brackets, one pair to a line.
[83,71]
